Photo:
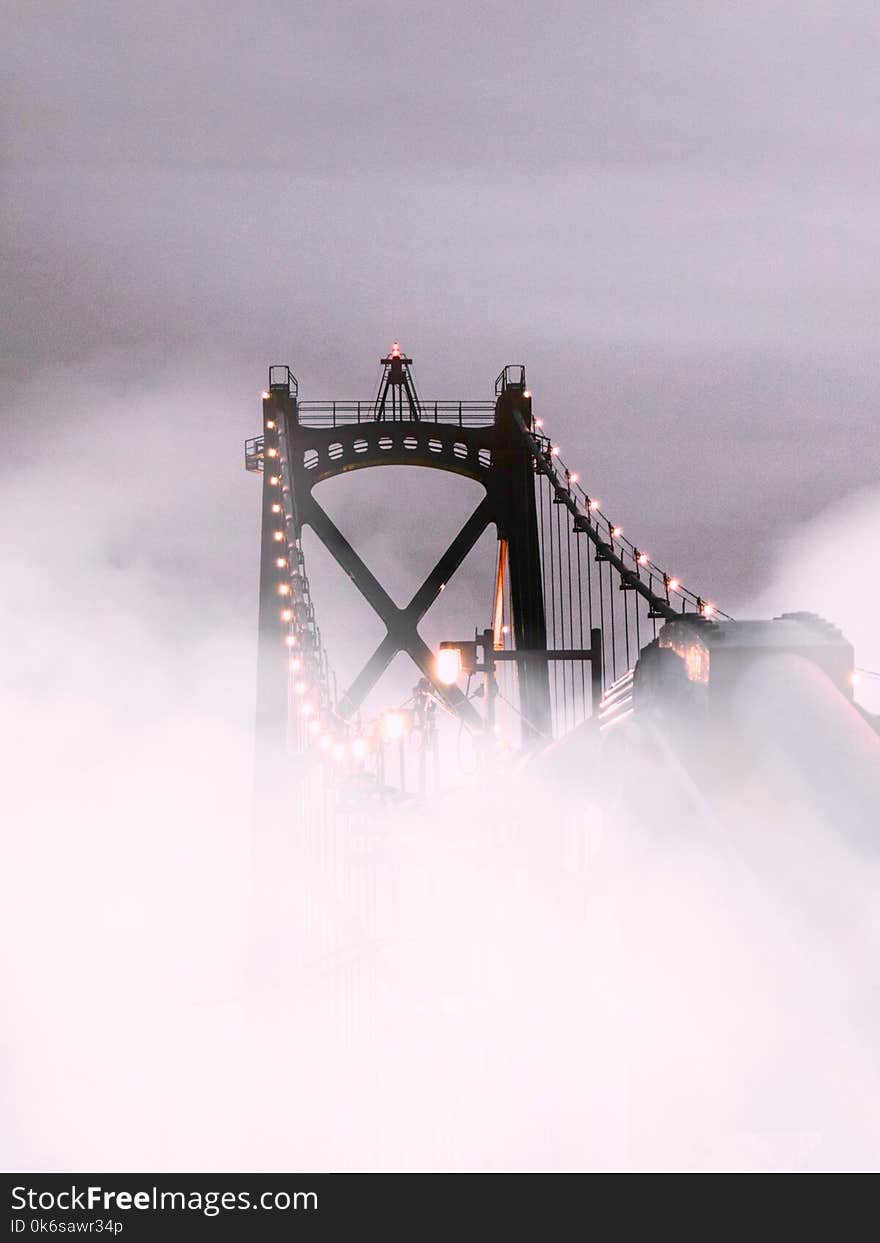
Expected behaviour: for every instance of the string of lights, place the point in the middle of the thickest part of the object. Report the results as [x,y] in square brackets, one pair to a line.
[315,725]
[620,589]
[591,520]
[316,728]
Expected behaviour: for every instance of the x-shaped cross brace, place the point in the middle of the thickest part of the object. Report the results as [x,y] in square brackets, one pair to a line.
[401,624]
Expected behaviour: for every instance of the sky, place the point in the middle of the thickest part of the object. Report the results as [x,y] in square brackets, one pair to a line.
[666,210]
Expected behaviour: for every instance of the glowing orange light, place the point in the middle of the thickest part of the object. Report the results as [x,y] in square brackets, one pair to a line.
[643,558]
[264,395]
[292,641]
[527,393]
[270,423]
[287,615]
[573,477]
[673,584]
[708,610]
[556,450]
[278,536]
[854,677]
[274,480]
[271,452]
[448,665]
[283,589]
[594,504]
[296,664]
[276,508]
[394,725]
[616,532]
[539,422]
[281,562]
[395,349]
[505,630]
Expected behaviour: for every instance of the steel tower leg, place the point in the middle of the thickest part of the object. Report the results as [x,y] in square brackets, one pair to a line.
[272,956]
[514,485]
[272,652]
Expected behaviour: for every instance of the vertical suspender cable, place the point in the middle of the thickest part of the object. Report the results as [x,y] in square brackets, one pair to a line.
[577,544]
[553,614]
[602,619]
[613,634]
[626,594]
[571,669]
[560,669]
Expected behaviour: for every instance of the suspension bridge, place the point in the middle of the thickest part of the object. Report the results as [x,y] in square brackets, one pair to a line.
[587,636]
[567,579]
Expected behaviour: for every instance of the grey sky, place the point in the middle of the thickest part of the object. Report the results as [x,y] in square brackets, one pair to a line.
[668,211]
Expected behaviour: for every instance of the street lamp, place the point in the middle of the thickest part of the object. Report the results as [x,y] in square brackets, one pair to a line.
[448,665]
[479,655]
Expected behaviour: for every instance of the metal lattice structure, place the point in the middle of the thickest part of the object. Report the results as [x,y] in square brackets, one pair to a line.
[564,568]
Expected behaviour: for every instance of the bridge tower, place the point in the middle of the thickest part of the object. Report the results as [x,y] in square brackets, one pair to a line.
[564,568]
[305,443]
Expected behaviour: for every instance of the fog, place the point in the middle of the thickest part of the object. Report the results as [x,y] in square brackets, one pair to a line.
[669,215]
[524,977]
